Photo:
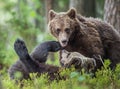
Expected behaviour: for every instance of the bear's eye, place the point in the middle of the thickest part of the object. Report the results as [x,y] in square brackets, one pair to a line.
[58,31]
[67,30]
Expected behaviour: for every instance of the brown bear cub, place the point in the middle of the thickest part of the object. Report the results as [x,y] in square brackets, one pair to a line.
[89,36]
[35,62]
[78,61]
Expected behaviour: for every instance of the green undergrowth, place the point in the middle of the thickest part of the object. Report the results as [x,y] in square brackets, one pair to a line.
[104,79]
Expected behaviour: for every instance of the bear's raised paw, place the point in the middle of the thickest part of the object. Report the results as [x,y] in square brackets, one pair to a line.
[20,48]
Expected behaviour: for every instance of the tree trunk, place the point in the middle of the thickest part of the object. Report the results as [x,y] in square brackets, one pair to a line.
[48,6]
[112,13]
[84,7]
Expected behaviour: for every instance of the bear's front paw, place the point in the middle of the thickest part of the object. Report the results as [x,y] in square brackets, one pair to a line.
[20,48]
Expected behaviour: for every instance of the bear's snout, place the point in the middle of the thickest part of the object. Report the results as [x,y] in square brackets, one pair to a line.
[64,41]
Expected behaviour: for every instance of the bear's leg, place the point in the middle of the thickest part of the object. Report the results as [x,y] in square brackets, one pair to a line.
[22,52]
[40,53]
[20,69]
[114,54]
[99,62]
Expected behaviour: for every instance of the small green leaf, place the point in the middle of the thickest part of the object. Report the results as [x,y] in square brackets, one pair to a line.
[81,78]
[73,74]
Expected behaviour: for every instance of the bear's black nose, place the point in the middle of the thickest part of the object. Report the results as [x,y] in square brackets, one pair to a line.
[64,41]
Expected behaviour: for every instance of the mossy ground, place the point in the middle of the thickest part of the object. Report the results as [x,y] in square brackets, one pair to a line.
[105,79]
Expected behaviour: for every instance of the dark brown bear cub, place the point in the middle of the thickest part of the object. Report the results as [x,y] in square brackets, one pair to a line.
[89,36]
[34,63]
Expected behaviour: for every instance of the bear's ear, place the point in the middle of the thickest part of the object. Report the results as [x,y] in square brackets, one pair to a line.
[52,14]
[72,13]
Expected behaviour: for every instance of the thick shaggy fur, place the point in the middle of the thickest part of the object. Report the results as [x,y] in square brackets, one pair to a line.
[34,63]
[78,60]
[89,36]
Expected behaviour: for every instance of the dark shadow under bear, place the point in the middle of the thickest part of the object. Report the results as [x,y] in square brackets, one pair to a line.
[34,63]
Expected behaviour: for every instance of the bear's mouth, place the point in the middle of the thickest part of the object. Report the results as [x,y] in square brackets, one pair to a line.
[63,44]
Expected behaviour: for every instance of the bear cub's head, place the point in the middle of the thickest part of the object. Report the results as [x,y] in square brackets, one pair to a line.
[62,25]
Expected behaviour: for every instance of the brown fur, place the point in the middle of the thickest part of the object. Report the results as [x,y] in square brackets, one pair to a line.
[34,63]
[78,60]
[88,36]
[53,71]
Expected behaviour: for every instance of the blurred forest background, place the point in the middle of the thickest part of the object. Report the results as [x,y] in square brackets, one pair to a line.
[27,19]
